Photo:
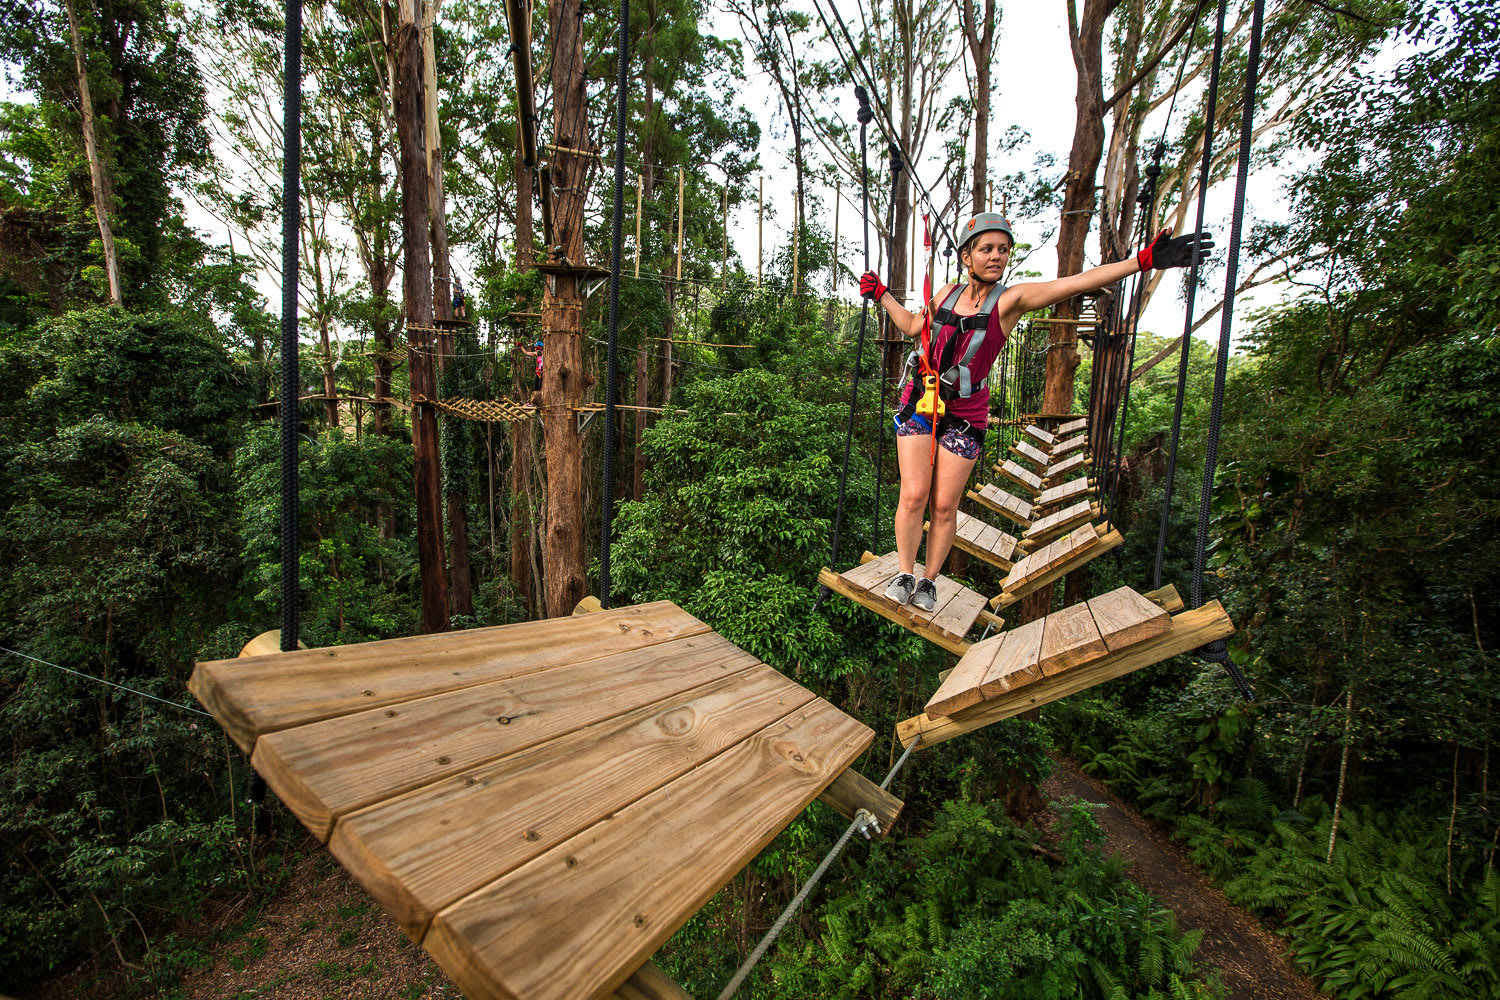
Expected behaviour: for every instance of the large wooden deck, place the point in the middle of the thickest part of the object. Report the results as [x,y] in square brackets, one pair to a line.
[540,805]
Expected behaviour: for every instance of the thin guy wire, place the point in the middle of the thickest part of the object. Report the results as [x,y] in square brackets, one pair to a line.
[101,680]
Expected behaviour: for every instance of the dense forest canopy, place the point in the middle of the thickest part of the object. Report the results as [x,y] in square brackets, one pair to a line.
[1353,513]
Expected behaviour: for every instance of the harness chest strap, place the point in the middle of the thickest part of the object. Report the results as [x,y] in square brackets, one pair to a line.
[957,377]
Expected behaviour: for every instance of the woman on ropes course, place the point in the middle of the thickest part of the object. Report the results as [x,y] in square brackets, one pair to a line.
[950,407]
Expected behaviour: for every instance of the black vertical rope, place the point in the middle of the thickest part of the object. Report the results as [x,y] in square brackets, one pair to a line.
[890,227]
[1218,652]
[1144,229]
[291,217]
[865,116]
[607,514]
[1192,292]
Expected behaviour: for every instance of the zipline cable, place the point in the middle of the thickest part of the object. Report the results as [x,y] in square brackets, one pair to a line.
[868,79]
[1192,290]
[101,680]
[617,242]
[864,115]
[861,824]
[1218,651]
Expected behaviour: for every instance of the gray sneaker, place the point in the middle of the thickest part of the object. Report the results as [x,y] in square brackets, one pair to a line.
[925,596]
[901,588]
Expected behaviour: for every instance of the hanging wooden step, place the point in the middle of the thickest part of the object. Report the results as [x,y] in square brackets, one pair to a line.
[983,541]
[1071,427]
[539,805]
[1067,465]
[1066,652]
[1040,435]
[1054,561]
[1072,490]
[1001,502]
[1059,523]
[1072,444]
[1018,475]
[947,624]
[1031,453]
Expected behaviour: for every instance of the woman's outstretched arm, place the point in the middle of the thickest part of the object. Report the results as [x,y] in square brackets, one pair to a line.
[1164,251]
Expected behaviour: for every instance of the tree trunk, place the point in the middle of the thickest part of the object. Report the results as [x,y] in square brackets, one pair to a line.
[417,290]
[1086,39]
[648,190]
[982,51]
[562,321]
[102,183]
[1338,799]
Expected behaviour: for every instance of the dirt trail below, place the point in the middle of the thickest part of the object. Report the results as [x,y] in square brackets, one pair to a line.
[1250,957]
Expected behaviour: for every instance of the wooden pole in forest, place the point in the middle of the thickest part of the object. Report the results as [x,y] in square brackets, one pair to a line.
[760,233]
[637,230]
[679,222]
[724,257]
[523,445]
[417,291]
[100,179]
[796,247]
[562,317]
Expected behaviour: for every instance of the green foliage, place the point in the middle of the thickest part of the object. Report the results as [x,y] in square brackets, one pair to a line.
[969,909]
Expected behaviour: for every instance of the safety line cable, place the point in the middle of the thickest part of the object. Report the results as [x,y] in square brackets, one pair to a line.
[1218,651]
[101,680]
[1204,167]
[862,821]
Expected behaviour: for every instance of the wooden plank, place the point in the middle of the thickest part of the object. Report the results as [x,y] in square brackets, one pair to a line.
[1031,453]
[875,574]
[1040,434]
[957,616]
[1110,540]
[329,768]
[1072,427]
[1059,494]
[947,590]
[1010,470]
[1005,546]
[1063,447]
[1070,639]
[267,693]
[616,894]
[1165,598]
[266,643]
[1190,629]
[852,791]
[419,852]
[1125,618]
[1001,502]
[960,689]
[650,983]
[887,609]
[1066,466]
[1016,663]
[1060,521]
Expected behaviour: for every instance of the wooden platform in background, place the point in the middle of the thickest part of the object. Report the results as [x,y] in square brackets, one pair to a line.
[1050,658]
[947,624]
[539,805]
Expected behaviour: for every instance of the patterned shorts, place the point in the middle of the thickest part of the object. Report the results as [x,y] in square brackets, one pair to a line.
[964,444]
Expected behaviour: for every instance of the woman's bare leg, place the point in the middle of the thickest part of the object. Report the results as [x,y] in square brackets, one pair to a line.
[916,485]
[951,477]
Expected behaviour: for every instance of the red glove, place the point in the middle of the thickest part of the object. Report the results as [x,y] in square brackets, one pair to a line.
[871,287]
[1181,251]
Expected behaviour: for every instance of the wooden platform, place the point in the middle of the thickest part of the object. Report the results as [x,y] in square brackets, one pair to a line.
[956,611]
[1039,435]
[1001,502]
[983,541]
[1071,427]
[1054,561]
[1066,652]
[540,805]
